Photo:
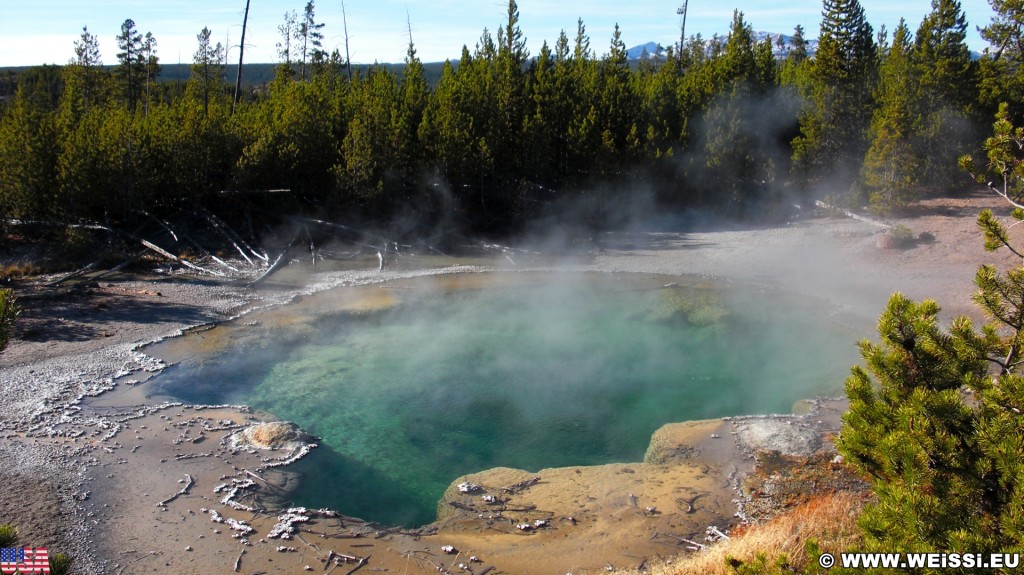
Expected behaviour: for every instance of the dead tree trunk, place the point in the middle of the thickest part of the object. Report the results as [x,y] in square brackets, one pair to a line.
[241,51]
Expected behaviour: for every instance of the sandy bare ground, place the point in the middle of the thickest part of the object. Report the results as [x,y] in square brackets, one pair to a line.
[88,479]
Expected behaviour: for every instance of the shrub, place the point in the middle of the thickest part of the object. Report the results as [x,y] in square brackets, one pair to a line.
[60,564]
[935,413]
[898,237]
[8,314]
[8,535]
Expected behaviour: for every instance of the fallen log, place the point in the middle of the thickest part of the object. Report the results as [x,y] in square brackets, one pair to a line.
[852,215]
[234,238]
[521,486]
[362,562]
[74,274]
[269,484]
[119,266]
[679,539]
[327,224]
[712,530]
[278,263]
[175,258]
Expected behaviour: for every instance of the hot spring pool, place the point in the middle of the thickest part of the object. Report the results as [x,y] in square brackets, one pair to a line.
[413,384]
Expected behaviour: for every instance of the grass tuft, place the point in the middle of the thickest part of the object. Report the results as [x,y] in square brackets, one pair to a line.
[60,564]
[8,535]
[780,545]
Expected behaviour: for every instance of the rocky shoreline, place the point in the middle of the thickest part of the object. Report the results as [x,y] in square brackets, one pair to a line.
[85,478]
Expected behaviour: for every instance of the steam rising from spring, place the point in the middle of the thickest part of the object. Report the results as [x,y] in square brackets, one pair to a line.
[541,370]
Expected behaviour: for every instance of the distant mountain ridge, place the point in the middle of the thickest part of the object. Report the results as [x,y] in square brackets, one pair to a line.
[780,49]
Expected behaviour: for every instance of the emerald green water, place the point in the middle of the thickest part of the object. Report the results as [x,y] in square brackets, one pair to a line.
[553,371]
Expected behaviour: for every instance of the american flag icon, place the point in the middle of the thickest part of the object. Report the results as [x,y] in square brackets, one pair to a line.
[24,560]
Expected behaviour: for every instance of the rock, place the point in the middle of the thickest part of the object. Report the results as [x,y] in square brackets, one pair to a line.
[272,435]
[467,487]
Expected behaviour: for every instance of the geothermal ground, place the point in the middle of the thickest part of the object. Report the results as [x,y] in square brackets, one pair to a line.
[94,468]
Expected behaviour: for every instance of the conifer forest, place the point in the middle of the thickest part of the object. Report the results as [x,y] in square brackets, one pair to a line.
[872,117]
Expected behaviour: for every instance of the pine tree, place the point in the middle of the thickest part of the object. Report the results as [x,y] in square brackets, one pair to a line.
[288,30]
[368,149]
[834,128]
[85,70]
[892,169]
[914,434]
[28,183]
[151,65]
[1003,64]
[935,418]
[208,70]
[948,90]
[446,131]
[413,94]
[616,111]
[131,70]
[511,106]
[734,160]
[799,43]
[583,135]
[310,38]
[542,119]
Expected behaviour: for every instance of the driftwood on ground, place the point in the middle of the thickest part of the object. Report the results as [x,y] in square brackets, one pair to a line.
[175,258]
[276,265]
[850,214]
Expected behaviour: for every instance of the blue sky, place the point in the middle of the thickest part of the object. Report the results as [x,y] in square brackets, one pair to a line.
[44,31]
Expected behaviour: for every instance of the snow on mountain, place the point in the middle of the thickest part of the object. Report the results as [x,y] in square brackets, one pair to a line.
[780,49]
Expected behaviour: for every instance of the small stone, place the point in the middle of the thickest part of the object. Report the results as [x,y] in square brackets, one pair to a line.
[467,487]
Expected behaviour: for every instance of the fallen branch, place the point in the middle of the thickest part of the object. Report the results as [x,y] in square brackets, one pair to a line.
[340,227]
[521,486]
[119,266]
[273,267]
[234,238]
[193,243]
[238,562]
[712,530]
[17,222]
[184,490]
[679,539]
[850,214]
[362,561]
[462,506]
[269,484]
[74,274]
[175,258]
[185,456]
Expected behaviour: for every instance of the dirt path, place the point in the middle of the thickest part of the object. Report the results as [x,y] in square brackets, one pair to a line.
[93,477]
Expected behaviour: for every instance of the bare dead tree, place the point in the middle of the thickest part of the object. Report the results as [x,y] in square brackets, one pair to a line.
[348,58]
[241,52]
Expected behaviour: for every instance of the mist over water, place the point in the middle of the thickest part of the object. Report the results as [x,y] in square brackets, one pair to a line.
[560,369]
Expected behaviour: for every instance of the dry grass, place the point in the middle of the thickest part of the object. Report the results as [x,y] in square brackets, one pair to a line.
[830,519]
[18,270]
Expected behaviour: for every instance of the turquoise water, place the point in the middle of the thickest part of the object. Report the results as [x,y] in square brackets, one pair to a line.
[558,371]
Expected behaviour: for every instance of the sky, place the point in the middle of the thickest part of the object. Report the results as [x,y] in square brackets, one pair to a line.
[44,31]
